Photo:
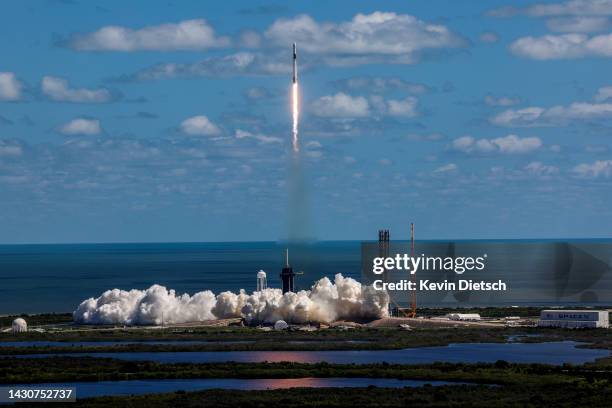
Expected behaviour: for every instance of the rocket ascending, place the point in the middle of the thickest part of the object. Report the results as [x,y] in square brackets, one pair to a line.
[294,63]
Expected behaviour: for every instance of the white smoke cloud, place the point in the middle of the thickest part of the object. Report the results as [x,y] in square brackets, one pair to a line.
[327,301]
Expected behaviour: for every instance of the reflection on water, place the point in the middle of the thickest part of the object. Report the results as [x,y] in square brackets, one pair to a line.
[545,353]
[108,388]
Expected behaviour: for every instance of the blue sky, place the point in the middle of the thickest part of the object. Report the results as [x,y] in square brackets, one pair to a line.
[170,121]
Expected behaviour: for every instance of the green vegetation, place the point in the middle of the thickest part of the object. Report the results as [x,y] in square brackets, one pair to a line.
[517,384]
[251,339]
[585,394]
[64,369]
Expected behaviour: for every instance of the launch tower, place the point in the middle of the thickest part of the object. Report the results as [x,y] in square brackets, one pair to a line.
[287,275]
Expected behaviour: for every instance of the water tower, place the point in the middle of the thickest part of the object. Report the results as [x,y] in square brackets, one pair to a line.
[262,281]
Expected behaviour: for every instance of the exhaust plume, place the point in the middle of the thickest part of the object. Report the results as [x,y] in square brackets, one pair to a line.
[296,115]
[326,301]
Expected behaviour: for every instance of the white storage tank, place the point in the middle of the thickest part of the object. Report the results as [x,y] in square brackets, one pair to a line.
[574,318]
[19,326]
[281,325]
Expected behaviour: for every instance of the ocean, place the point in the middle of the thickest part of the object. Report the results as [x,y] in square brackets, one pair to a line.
[57,278]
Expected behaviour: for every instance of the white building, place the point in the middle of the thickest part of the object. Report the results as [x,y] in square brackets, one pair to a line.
[19,326]
[471,317]
[574,318]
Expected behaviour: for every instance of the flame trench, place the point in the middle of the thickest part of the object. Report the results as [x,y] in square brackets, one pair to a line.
[294,139]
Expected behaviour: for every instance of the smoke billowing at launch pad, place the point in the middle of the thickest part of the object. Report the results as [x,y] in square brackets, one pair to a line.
[325,302]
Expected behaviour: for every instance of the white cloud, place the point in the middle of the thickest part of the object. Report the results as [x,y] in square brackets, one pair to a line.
[564,46]
[81,126]
[578,24]
[10,87]
[510,144]
[58,90]
[200,125]
[447,168]
[537,116]
[489,37]
[185,35]
[379,37]
[501,101]
[520,117]
[404,108]
[241,63]
[603,94]
[540,169]
[515,144]
[341,105]
[364,39]
[242,134]
[567,8]
[380,85]
[599,168]
[572,7]
[10,150]
[265,139]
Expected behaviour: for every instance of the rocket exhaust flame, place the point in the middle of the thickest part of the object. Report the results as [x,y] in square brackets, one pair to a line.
[294,102]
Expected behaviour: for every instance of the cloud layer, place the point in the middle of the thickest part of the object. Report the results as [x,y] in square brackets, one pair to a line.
[200,125]
[58,89]
[510,144]
[81,126]
[537,116]
[10,87]
[366,38]
[565,46]
[185,35]
[241,63]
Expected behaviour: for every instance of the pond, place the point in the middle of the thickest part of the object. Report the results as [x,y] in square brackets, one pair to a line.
[555,353]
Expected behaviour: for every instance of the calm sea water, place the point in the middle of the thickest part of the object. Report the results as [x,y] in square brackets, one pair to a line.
[56,278]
